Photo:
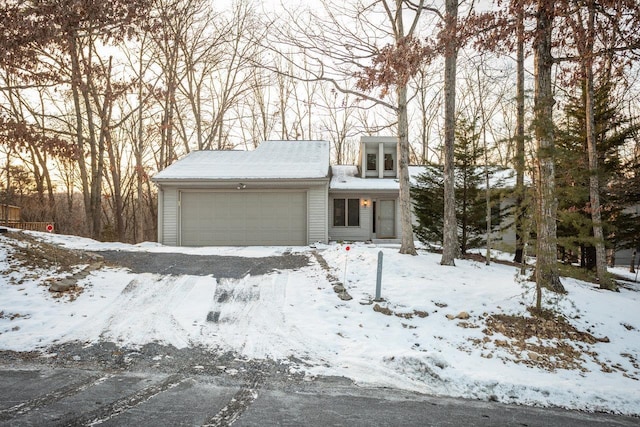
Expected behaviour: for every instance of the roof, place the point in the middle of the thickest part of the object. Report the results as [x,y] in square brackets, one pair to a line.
[347,178]
[271,160]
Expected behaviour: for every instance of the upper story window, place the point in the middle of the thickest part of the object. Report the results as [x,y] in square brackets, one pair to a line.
[372,162]
[388,162]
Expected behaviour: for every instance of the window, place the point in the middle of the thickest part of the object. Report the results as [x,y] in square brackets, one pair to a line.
[346,212]
[372,162]
[388,162]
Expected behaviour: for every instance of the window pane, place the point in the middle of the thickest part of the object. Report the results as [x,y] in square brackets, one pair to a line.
[388,162]
[338,212]
[371,162]
[354,212]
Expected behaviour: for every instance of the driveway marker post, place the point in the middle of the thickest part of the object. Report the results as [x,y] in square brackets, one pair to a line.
[379,278]
[346,259]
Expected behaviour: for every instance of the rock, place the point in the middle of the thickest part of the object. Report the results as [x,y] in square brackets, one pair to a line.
[81,275]
[338,288]
[344,296]
[62,285]
[213,316]
[97,265]
[96,257]
[463,315]
[384,310]
[450,316]
[533,356]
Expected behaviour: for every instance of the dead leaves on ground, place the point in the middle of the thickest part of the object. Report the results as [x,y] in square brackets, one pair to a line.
[545,341]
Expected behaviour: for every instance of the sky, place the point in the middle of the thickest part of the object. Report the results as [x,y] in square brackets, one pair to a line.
[296,314]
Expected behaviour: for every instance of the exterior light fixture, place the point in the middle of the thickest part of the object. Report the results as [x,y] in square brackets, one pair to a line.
[365,203]
[241,186]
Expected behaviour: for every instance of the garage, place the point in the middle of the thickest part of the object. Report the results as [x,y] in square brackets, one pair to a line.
[242,218]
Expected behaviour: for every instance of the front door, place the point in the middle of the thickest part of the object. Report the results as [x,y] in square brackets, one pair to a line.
[386,219]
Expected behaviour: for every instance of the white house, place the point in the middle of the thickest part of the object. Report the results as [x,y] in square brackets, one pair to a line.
[282,193]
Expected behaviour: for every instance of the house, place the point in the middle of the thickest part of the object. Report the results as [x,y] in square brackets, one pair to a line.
[281,193]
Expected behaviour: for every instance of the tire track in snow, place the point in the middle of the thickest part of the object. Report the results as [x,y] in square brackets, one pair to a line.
[238,403]
[143,312]
[249,316]
[51,397]
[151,307]
[119,406]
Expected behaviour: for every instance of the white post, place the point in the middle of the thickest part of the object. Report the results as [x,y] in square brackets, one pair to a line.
[379,278]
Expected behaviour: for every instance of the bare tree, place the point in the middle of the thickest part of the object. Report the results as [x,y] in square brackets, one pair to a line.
[429,100]
[340,42]
[546,203]
[339,123]
[519,159]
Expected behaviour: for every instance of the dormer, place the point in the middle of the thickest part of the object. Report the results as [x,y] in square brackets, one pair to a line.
[378,157]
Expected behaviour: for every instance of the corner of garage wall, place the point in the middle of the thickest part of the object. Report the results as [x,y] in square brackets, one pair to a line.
[318,198]
[160,214]
[168,216]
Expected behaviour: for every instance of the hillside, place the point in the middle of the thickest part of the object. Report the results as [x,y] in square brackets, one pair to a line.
[456,331]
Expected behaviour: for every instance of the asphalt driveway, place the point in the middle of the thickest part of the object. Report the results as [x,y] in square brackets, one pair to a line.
[229,267]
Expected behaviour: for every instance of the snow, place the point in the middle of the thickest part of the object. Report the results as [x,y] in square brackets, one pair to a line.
[271,160]
[345,177]
[296,313]
[498,178]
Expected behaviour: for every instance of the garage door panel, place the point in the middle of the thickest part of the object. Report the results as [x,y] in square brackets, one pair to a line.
[243,218]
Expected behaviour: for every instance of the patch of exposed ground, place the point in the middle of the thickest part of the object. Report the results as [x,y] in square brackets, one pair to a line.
[546,341]
[49,265]
[30,252]
[338,286]
[406,315]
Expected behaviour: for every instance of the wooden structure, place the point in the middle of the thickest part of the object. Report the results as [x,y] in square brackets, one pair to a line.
[9,214]
[10,217]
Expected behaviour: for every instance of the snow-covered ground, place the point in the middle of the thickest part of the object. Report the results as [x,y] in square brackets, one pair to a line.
[297,313]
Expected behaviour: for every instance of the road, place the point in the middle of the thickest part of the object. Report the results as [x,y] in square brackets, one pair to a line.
[36,394]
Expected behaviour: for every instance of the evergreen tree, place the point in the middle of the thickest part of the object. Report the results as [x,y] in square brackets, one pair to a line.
[624,194]
[428,194]
[575,227]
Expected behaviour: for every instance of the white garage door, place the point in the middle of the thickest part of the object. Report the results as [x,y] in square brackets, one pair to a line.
[243,218]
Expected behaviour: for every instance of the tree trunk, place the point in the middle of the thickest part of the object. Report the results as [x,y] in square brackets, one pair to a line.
[519,158]
[138,231]
[546,204]
[407,245]
[594,182]
[450,248]
[76,82]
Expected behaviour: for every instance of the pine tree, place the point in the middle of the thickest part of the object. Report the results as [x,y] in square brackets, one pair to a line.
[470,207]
[575,227]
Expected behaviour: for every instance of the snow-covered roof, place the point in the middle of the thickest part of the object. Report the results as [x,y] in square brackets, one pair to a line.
[346,177]
[271,160]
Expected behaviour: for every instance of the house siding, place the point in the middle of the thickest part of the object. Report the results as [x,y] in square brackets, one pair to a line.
[317,214]
[360,233]
[170,209]
[316,205]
